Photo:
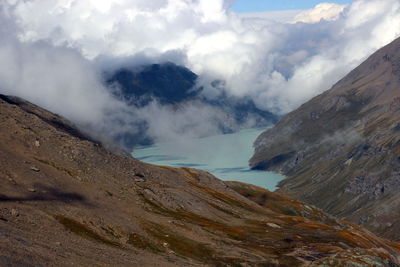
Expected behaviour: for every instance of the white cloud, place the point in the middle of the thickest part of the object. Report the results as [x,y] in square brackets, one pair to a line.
[62,44]
[282,16]
[323,11]
[57,78]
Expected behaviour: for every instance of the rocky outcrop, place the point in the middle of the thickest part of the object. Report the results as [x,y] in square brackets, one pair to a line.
[66,200]
[340,151]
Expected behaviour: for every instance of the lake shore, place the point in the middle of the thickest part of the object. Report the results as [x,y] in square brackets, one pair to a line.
[225,156]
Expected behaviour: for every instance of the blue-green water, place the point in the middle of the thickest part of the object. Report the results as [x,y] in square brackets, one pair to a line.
[225,156]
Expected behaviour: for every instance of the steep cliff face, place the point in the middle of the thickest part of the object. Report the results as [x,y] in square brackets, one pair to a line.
[65,200]
[341,150]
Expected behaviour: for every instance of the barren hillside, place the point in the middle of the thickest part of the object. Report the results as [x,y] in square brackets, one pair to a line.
[65,200]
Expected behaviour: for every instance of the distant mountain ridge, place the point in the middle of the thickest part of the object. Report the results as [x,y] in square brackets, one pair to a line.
[341,150]
[168,83]
[176,86]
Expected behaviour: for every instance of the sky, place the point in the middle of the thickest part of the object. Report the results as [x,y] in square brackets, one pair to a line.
[274,5]
[53,53]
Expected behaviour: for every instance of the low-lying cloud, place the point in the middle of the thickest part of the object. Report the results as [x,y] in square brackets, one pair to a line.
[52,52]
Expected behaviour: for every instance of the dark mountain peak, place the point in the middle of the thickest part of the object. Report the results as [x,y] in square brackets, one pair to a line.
[340,150]
[167,82]
[175,86]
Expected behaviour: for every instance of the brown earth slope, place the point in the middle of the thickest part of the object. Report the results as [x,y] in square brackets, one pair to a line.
[341,150]
[65,200]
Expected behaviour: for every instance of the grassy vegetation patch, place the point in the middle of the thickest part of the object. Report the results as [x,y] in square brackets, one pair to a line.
[179,244]
[84,231]
[111,232]
[230,200]
[141,242]
[182,215]
[351,237]
[229,212]
[192,174]
[168,168]
[189,248]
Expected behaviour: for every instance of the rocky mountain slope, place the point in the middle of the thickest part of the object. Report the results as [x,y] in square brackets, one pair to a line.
[341,150]
[66,200]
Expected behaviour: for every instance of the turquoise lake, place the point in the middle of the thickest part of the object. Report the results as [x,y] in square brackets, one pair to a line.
[226,156]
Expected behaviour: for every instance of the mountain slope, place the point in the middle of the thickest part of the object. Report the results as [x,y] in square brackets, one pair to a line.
[341,150]
[65,200]
[168,83]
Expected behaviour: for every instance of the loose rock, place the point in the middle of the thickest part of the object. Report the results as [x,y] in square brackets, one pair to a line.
[33,168]
[273,225]
[37,143]
[14,212]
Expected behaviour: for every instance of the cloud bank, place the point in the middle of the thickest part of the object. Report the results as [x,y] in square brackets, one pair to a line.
[323,11]
[53,51]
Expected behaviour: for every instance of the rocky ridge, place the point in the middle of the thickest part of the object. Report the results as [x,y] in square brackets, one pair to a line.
[341,150]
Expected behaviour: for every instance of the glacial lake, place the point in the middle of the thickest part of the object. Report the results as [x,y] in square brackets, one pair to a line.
[225,156]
